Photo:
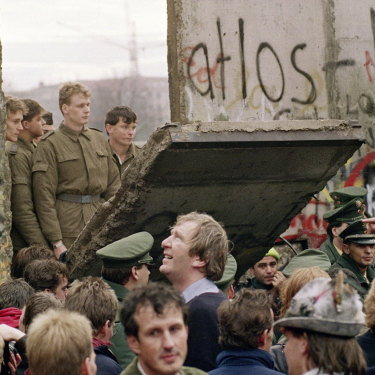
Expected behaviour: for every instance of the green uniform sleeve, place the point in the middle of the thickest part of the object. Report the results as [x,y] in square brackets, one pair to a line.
[45,180]
[24,217]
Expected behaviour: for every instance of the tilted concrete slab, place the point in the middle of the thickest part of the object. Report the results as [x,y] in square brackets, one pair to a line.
[254,177]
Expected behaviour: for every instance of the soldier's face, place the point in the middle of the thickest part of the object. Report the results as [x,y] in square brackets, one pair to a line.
[121,133]
[362,255]
[35,126]
[13,125]
[143,274]
[265,270]
[78,111]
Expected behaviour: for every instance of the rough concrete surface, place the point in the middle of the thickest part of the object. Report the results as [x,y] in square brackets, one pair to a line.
[5,188]
[253,181]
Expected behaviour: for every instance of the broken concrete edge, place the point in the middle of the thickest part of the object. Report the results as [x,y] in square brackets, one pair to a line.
[101,229]
[108,224]
[268,126]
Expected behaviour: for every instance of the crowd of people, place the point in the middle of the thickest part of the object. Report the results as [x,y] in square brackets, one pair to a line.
[314,315]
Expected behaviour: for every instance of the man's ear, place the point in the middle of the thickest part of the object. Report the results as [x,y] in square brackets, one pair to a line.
[108,128]
[134,271]
[345,248]
[25,124]
[263,337]
[199,263]
[304,348]
[63,108]
[231,292]
[133,344]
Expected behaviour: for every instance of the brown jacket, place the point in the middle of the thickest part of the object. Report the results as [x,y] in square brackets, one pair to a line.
[26,229]
[71,163]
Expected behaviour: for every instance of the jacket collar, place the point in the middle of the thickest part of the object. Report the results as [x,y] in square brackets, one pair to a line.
[72,134]
[119,289]
[245,357]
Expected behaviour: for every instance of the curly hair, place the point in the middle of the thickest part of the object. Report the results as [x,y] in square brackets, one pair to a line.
[244,319]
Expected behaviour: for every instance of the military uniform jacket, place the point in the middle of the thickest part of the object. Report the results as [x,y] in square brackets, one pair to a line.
[71,163]
[346,262]
[133,369]
[26,229]
[132,153]
[329,248]
[119,340]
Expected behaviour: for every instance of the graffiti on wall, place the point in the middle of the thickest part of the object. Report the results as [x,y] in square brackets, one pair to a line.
[207,74]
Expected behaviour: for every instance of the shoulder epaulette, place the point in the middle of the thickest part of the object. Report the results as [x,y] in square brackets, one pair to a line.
[11,148]
[98,130]
[45,136]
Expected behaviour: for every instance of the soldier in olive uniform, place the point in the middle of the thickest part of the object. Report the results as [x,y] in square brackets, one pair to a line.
[125,266]
[73,171]
[25,225]
[121,123]
[348,207]
[358,253]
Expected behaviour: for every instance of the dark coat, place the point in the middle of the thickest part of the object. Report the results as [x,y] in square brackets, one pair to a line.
[329,248]
[244,362]
[203,344]
[367,343]
[106,362]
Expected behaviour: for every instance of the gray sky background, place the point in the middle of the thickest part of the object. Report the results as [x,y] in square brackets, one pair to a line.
[52,41]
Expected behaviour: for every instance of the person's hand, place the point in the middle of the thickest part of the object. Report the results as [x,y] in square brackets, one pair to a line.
[9,333]
[370,224]
[14,362]
[58,250]
[278,279]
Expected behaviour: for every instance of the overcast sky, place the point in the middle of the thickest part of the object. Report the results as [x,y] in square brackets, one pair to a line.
[51,41]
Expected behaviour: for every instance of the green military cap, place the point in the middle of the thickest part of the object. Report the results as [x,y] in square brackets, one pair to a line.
[348,213]
[342,196]
[127,252]
[229,273]
[308,258]
[357,233]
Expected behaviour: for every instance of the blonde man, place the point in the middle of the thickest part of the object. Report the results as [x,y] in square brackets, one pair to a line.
[73,171]
[194,257]
[59,343]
